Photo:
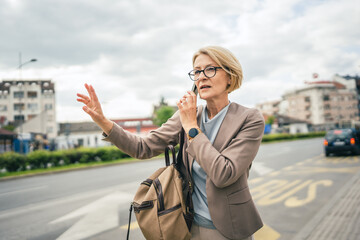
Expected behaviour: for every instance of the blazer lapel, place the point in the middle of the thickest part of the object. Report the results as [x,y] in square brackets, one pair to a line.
[226,129]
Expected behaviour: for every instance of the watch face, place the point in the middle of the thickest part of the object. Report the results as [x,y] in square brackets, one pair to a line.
[193,132]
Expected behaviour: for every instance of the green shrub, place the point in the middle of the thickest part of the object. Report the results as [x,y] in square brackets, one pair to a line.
[38,159]
[287,136]
[42,158]
[86,155]
[12,161]
[73,155]
[58,158]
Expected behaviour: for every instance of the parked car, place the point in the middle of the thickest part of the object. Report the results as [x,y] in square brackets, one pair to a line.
[342,141]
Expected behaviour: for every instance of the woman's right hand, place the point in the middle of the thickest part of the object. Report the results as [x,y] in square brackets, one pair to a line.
[93,108]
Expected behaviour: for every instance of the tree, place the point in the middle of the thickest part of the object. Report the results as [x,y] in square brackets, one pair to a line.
[163,114]
[9,127]
[270,120]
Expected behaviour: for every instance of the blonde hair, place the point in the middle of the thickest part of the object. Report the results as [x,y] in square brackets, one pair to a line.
[227,61]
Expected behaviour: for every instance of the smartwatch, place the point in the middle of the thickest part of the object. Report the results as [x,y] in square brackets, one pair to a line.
[193,132]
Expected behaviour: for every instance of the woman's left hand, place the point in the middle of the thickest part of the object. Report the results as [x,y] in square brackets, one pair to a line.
[187,107]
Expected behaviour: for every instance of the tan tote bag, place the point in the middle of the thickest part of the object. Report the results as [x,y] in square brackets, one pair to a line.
[159,205]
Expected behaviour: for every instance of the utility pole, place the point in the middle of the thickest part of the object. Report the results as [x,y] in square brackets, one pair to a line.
[21,95]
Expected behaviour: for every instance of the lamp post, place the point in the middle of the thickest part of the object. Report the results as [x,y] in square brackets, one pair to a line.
[22,64]
[20,98]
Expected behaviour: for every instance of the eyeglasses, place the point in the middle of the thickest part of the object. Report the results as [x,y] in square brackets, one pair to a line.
[209,72]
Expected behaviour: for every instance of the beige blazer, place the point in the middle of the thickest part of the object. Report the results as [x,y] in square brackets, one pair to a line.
[227,163]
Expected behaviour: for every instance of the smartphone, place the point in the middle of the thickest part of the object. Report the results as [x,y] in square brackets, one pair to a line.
[194,89]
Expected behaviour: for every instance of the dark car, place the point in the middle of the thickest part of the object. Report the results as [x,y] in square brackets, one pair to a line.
[342,141]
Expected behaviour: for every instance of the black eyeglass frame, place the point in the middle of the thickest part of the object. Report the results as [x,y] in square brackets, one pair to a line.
[203,71]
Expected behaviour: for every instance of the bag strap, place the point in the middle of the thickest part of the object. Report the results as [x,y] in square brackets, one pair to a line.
[186,170]
[180,156]
[128,231]
[167,160]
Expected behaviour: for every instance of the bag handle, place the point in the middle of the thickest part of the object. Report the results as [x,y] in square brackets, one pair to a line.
[128,231]
[167,159]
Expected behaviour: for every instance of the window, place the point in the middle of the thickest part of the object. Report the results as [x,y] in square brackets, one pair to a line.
[18,106]
[3,108]
[48,106]
[32,106]
[19,118]
[326,98]
[32,94]
[80,142]
[307,99]
[19,94]
[31,116]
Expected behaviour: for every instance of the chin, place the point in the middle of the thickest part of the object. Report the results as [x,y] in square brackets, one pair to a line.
[204,97]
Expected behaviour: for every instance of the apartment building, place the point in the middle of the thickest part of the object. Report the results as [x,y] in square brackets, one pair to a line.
[321,103]
[269,108]
[29,105]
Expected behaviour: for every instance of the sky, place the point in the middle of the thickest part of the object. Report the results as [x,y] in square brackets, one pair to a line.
[134,52]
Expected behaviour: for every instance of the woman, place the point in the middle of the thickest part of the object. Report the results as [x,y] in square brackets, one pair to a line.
[222,141]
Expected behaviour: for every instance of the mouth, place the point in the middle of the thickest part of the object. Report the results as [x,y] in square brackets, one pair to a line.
[204,87]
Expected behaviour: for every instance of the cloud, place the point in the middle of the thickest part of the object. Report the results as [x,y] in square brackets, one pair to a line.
[134,52]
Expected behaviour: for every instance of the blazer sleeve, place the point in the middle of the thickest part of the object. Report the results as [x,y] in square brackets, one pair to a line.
[225,167]
[149,146]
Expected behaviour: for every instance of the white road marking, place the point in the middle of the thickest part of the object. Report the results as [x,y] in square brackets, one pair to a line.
[260,168]
[100,216]
[60,201]
[22,190]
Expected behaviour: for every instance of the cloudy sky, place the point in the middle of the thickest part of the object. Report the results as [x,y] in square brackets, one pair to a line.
[135,51]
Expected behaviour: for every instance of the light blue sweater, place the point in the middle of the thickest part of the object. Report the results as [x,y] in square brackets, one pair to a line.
[210,128]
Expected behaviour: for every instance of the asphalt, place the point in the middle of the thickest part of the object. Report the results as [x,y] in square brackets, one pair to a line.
[339,219]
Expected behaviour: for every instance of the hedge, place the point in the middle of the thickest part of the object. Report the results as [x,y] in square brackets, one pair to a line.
[13,162]
[286,136]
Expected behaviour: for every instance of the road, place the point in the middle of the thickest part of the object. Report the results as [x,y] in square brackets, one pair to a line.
[289,181]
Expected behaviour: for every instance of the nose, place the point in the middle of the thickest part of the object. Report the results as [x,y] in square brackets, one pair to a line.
[201,75]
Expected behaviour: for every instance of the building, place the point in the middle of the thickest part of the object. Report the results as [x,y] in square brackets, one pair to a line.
[29,105]
[269,108]
[290,125]
[6,140]
[88,134]
[353,82]
[79,134]
[322,104]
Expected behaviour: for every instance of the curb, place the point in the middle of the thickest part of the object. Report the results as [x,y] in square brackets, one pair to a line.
[316,220]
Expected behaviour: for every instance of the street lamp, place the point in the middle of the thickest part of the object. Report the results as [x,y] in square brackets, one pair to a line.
[22,64]
[22,119]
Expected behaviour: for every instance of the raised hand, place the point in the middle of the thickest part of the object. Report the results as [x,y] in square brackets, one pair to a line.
[93,108]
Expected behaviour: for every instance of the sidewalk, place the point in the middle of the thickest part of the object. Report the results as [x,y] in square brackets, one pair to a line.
[339,219]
